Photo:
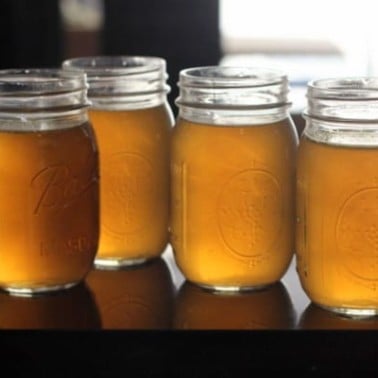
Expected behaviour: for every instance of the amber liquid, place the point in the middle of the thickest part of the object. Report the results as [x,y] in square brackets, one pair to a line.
[233,202]
[48,207]
[337,230]
[134,189]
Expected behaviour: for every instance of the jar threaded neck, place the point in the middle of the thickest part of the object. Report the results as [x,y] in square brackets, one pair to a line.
[123,82]
[350,99]
[42,90]
[233,95]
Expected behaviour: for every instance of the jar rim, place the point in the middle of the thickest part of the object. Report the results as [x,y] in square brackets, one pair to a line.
[230,76]
[344,88]
[115,65]
[122,81]
[39,81]
[233,87]
[348,99]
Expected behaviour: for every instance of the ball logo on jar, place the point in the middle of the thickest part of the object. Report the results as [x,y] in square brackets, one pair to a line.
[128,193]
[357,233]
[250,213]
[55,187]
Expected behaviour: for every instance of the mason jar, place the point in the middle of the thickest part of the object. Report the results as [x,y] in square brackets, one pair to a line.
[132,121]
[233,177]
[49,215]
[337,196]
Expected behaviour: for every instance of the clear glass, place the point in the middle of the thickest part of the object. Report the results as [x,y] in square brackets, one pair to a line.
[49,216]
[337,191]
[132,122]
[233,178]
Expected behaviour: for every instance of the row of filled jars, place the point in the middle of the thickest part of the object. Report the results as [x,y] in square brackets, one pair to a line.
[95,170]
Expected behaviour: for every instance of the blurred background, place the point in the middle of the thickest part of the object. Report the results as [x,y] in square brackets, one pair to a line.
[307,39]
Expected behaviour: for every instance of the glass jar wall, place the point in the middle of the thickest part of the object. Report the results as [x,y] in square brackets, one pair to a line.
[132,122]
[233,177]
[49,221]
[337,191]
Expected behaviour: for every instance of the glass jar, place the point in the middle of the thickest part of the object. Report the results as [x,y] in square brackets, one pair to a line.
[132,122]
[49,215]
[233,177]
[337,196]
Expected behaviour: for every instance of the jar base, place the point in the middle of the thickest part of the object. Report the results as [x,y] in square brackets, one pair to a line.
[21,291]
[230,289]
[351,312]
[117,263]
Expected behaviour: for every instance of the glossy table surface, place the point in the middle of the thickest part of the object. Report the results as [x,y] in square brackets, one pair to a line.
[151,317]
[155,296]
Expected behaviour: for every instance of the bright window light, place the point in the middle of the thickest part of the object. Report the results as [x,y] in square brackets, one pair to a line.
[339,21]
[308,39]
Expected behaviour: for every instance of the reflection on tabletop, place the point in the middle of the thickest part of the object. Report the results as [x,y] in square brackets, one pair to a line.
[71,309]
[138,297]
[314,317]
[146,297]
[269,308]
